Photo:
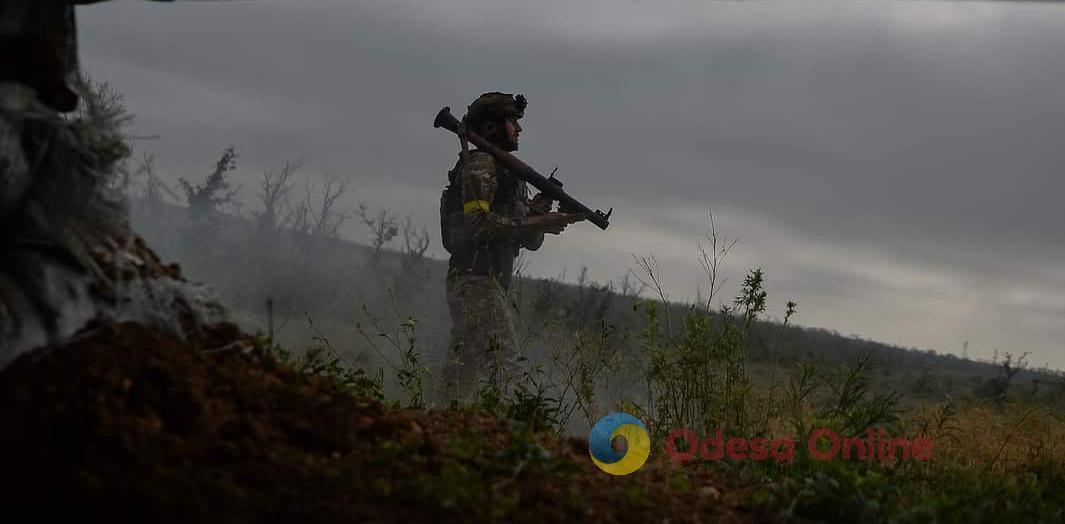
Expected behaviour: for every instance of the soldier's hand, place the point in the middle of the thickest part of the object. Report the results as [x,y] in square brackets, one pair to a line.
[553,223]
[541,204]
[555,229]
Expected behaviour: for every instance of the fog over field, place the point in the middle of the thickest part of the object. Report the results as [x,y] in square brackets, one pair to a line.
[895,167]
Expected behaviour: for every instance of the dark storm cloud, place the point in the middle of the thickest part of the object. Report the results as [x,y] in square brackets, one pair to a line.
[894,166]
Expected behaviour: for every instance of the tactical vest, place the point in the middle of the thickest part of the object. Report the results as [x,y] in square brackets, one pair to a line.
[495,257]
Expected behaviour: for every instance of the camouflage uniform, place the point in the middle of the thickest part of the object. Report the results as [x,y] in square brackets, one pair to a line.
[484,235]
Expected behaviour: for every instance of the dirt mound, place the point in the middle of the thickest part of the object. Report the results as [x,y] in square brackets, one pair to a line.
[124,422]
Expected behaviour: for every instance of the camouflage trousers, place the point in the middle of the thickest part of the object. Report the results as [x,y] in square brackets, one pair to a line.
[482,335]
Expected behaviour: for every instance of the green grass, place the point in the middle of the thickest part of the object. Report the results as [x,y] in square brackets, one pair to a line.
[994,460]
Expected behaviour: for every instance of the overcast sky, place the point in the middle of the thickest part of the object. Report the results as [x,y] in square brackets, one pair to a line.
[895,167]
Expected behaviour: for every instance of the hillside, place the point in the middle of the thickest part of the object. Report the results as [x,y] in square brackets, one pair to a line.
[319,287]
[130,422]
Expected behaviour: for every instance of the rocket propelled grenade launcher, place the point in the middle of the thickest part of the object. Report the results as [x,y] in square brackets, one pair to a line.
[548,186]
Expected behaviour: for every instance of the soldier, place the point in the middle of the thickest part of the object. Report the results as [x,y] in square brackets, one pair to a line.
[483,219]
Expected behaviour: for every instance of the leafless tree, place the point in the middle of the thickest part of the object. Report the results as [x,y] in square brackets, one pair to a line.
[274,190]
[320,220]
[414,272]
[651,277]
[326,219]
[416,242]
[383,227]
[151,190]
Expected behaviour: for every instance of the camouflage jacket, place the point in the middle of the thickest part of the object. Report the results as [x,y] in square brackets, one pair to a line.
[485,227]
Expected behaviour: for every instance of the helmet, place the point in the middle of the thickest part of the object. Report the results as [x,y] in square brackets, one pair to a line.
[494,107]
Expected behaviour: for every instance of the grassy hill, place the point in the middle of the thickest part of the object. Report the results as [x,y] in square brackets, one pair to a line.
[327,415]
[326,289]
[127,423]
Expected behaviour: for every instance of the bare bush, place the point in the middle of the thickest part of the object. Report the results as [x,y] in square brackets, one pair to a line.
[208,198]
[274,191]
[320,220]
[383,228]
[710,261]
[1007,367]
[415,241]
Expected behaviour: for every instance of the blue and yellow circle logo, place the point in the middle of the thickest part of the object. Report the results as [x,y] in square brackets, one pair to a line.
[601,438]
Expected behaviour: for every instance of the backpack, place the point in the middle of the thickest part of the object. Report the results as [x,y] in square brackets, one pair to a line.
[450,206]
[452,234]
